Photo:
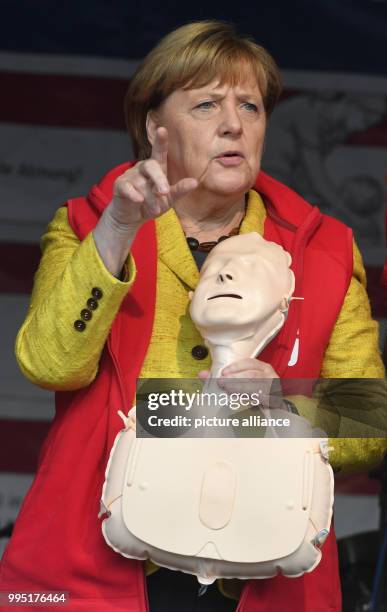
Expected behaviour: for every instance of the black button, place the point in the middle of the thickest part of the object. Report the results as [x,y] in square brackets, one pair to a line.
[86,314]
[97,293]
[92,304]
[79,325]
[199,352]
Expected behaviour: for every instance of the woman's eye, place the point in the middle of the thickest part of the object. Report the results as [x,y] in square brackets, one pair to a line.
[250,106]
[206,105]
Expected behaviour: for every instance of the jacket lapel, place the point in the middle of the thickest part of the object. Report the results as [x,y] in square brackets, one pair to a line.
[173,249]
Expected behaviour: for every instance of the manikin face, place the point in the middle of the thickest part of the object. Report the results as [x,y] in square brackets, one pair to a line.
[244,282]
[215,132]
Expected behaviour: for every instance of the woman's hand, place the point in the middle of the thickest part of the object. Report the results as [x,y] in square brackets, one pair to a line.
[259,377]
[143,192]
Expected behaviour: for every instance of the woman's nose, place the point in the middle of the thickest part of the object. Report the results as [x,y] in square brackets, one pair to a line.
[230,121]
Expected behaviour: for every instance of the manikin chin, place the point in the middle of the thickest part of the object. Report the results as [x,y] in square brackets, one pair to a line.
[242,298]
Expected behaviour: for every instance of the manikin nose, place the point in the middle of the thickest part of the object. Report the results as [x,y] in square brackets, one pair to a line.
[224,277]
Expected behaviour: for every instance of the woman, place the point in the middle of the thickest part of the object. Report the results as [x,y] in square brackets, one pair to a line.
[110,304]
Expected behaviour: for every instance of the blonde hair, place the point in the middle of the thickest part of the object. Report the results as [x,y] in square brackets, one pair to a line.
[190,57]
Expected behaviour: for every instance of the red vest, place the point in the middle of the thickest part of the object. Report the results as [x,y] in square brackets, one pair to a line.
[57,542]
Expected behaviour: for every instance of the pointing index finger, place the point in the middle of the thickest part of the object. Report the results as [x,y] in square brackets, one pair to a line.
[160,147]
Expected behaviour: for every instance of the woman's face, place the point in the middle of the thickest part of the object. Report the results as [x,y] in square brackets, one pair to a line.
[215,134]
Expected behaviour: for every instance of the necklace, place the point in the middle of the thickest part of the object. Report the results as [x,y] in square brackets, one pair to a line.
[205,247]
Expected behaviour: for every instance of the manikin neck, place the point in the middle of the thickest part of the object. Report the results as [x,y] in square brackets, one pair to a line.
[222,355]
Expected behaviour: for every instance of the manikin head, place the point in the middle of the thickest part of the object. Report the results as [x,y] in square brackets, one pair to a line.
[243,293]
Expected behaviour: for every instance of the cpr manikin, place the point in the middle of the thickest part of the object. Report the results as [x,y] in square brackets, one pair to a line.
[219,507]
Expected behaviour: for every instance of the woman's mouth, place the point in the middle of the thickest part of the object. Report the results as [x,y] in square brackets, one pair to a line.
[230,158]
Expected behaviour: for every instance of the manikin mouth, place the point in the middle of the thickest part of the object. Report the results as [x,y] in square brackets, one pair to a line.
[230,295]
